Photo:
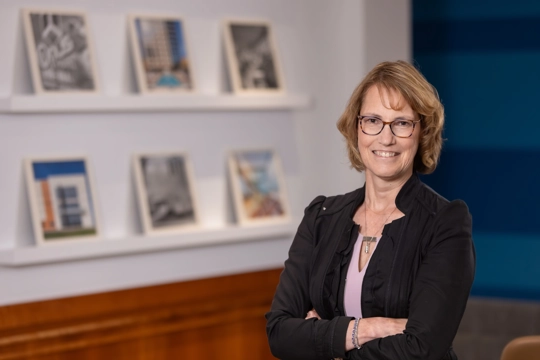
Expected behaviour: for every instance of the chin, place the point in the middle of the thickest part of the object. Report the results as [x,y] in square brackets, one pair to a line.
[391,175]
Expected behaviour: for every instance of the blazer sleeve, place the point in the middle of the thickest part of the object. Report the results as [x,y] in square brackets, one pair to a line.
[291,336]
[439,294]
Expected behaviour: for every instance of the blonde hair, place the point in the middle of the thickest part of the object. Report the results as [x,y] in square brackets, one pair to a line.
[423,98]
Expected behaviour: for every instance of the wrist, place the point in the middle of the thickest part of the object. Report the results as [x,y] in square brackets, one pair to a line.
[366,331]
[354,334]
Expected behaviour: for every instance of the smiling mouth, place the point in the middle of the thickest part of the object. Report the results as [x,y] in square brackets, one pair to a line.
[385,154]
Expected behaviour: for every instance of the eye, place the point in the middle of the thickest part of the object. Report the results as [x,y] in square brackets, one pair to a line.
[403,123]
[371,120]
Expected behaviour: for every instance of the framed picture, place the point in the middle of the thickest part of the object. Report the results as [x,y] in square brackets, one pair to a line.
[259,193]
[252,57]
[165,189]
[160,53]
[60,51]
[62,199]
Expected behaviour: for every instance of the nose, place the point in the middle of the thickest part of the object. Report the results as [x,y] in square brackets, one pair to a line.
[386,137]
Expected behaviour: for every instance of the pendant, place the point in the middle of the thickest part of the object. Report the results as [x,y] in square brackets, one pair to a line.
[368,240]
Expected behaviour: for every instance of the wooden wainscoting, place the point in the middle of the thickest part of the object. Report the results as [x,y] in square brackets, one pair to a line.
[217,318]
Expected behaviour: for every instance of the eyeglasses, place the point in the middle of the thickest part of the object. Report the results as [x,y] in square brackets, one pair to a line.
[371,125]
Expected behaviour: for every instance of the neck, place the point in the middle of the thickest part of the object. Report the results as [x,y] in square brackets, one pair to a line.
[381,194]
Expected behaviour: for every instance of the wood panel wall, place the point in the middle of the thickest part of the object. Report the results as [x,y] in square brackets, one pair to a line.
[217,318]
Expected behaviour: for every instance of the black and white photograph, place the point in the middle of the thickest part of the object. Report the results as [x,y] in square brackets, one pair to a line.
[165,192]
[60,51]
[252,57]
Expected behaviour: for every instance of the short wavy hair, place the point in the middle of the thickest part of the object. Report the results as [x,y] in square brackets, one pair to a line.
[424,100]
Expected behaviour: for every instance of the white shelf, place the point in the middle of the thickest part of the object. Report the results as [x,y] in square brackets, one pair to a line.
[59,252]
[136,103]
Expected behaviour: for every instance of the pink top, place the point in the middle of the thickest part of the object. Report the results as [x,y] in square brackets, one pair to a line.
[355,279]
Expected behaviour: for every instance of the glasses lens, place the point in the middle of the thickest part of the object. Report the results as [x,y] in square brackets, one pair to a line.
[371,125]
[402,128]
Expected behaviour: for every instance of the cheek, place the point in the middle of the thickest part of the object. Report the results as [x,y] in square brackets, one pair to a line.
[363,146]
[363,140]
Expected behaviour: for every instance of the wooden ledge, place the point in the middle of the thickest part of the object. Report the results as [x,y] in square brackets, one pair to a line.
[182,320]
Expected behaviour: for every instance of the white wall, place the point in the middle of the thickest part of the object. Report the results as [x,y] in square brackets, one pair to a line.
[388,31]
[324,50]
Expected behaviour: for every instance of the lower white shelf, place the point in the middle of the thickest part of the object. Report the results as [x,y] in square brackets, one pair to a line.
[24,256]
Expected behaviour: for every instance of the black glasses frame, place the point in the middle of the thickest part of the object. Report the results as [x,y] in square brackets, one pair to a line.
[389,123]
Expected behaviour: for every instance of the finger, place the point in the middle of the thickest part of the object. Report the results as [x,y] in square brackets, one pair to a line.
[312,314]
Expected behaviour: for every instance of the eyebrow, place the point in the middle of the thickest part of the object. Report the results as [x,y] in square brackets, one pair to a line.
[380,117]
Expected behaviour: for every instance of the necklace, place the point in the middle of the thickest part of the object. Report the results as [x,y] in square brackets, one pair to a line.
[369,239]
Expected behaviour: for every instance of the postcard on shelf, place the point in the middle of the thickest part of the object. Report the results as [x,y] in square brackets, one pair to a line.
[160,54]
[165,191]
[252,57]
[62,199]
[258,187]
[60,51]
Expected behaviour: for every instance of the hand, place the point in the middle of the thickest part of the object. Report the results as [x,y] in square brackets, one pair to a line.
[312,314]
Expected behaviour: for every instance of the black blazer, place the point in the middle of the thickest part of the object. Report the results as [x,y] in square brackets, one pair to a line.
[422,269]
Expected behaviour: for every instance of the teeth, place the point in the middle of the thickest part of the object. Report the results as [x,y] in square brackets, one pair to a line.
[385,153]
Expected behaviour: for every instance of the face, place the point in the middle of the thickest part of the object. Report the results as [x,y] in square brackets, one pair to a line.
[386,156]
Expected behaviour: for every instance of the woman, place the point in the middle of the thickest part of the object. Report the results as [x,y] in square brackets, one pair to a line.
[383,272]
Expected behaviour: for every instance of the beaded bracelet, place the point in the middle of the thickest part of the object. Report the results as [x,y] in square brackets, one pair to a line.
[355,334]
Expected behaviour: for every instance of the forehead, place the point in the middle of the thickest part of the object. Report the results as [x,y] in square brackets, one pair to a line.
[378,96]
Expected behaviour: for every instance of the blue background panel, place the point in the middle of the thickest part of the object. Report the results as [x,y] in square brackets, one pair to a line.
[507,265]
[491,100]
[477,35]
[500,186]
[484,59]
[473,9]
